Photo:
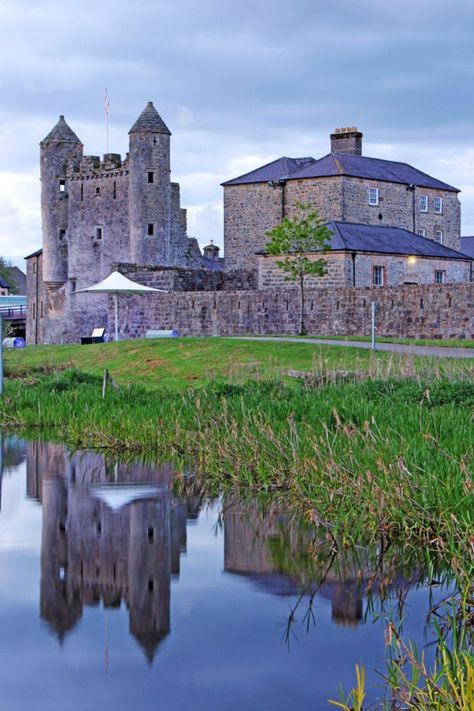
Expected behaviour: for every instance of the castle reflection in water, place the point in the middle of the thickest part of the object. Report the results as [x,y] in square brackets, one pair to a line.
[92,553]
[96,551]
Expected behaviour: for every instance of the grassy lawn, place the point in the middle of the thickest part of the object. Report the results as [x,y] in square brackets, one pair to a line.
[441,343]
[181,363]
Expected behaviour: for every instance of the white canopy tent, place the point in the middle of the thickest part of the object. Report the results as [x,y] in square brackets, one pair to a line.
[117,284]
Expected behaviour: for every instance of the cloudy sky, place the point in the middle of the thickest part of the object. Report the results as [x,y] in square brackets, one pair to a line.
[238,84]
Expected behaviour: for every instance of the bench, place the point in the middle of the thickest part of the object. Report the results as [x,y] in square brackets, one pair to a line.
[157,333]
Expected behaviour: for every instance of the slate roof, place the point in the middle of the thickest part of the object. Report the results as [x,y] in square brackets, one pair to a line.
[150,121]
[353,237]
[467,245]
[341,164]
[61,132]
[280,169]
[34,254]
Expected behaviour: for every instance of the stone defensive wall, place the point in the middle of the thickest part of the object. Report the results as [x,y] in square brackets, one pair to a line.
[412,311]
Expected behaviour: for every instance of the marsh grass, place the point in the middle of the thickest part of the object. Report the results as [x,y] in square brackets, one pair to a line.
[370,450]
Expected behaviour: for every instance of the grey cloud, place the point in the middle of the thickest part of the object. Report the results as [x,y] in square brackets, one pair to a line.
[237,79]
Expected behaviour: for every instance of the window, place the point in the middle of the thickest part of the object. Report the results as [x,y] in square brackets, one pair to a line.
[98,232]
[373,196]
[62,235]
[41,310]
[97,191]
[439,236]
[115,190]
[438,205]
[35,267]
[151,176]
[62,186]
[73,285]
[151,228]
[440,276]
[378,276]
[423,203]
[421,231]
[82,192]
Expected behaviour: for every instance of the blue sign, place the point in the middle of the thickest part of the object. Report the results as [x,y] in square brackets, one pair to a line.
[19,343]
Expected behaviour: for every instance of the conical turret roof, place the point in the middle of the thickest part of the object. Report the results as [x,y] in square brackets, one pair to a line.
[62,132]
[150,121]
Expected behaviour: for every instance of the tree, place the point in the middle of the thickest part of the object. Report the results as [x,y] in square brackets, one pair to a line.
[5,273]
[297,239]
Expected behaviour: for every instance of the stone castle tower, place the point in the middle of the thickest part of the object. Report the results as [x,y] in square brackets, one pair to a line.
[97,213]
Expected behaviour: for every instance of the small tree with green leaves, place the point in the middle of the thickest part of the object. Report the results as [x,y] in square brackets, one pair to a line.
[5,265]
[298,239]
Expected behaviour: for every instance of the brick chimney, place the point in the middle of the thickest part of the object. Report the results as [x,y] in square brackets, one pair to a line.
[347,140]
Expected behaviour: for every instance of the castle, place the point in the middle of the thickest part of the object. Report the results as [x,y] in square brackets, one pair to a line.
[96,213]
[391,225]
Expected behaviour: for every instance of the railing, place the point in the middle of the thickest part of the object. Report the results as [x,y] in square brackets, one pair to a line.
[13,312]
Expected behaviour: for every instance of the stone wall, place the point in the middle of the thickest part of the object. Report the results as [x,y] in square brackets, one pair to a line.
[35,299]
[413,311]
[181,279]
[251,210]
[397,270]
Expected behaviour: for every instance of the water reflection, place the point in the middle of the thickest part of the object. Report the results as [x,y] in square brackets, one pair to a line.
[282,556]
[112,537]
[98,548]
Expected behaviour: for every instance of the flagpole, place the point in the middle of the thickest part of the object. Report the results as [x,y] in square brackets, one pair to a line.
[106,109]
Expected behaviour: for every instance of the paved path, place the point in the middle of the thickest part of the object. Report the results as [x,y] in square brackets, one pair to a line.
[436,351]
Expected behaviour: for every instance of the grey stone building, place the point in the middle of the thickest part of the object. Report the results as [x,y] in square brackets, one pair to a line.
[370,255]
[344,186]
[96,213]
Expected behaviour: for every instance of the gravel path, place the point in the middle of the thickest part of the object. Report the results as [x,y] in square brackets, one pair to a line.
[436,351]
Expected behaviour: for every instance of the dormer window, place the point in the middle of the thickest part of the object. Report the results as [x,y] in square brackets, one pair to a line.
[423,203]
[373,196]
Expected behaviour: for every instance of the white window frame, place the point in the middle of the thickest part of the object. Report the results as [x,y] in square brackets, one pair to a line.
[440,276]
[378,275]
[373,196]
[439,236]
[438,205]
[421,231]
[423,203]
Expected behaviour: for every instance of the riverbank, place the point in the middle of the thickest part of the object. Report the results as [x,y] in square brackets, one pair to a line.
[193,362]
[371,448]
